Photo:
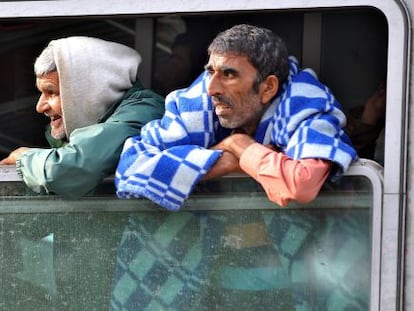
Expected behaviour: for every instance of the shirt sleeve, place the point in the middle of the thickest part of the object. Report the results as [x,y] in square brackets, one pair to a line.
[283,178]
[76,168]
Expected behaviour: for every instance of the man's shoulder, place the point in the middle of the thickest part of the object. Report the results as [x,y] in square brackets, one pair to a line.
[137,104]
[139,97]
[139,91]
[135,98]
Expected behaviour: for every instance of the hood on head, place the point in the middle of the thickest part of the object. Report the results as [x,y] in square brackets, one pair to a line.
[94,74]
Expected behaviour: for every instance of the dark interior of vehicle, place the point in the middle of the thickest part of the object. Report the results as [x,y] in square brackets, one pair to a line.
[346,48]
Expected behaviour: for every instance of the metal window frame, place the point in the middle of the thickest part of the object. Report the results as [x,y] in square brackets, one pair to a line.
[395,162]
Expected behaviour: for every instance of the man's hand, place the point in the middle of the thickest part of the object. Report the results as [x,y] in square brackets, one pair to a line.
[374,108]
[13,156]
[226,164]
[236,143]
[232,146]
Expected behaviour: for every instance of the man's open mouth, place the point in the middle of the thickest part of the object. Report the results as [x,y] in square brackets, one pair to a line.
[55,120]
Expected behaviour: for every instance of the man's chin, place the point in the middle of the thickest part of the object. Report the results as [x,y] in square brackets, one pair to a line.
[58,134]
[226,123]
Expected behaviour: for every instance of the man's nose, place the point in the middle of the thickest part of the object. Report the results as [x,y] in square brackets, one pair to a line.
[42,105]
[214,86]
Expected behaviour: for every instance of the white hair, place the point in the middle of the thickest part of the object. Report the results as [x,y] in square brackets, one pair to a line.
[45,62]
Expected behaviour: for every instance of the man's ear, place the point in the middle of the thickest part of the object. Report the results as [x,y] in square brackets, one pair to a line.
[268,88]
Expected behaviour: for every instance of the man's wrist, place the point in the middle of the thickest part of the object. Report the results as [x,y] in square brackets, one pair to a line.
[19,166]
[238,143]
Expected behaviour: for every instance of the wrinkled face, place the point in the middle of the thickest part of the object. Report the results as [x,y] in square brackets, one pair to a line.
[235,102]
[49,102]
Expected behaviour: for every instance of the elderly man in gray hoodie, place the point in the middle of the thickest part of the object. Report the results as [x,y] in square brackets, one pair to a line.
[90,91]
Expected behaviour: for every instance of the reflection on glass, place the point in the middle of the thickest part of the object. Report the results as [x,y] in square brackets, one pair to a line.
[245,255]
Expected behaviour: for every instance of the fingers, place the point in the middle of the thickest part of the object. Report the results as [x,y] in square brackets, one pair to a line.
[7,161]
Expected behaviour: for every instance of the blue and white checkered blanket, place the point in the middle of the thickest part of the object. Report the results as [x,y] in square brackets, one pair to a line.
[171,155]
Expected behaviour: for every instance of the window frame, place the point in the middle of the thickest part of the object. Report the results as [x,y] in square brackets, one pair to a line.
[393,201]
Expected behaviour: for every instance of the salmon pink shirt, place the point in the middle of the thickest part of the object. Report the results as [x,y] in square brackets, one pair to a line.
[282,178]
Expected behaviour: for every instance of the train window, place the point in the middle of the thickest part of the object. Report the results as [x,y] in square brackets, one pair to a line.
[229,248]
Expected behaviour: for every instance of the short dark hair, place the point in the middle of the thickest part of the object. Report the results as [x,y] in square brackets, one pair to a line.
[265,50]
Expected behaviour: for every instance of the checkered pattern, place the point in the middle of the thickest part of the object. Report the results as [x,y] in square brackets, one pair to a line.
[311,126]
[326,255]
[168,261]
[171,156]
[164,262]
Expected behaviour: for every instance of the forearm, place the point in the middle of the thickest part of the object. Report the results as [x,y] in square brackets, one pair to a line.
[282,178]
[31,167]
[76,168]
[58,171]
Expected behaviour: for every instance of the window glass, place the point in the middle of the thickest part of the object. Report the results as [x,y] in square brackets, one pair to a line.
[228,249]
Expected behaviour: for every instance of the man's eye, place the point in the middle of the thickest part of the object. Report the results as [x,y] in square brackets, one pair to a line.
[229,74]
[51,95]
[210,71]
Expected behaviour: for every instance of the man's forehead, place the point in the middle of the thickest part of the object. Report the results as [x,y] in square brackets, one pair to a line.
[48,79]
[226,60]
